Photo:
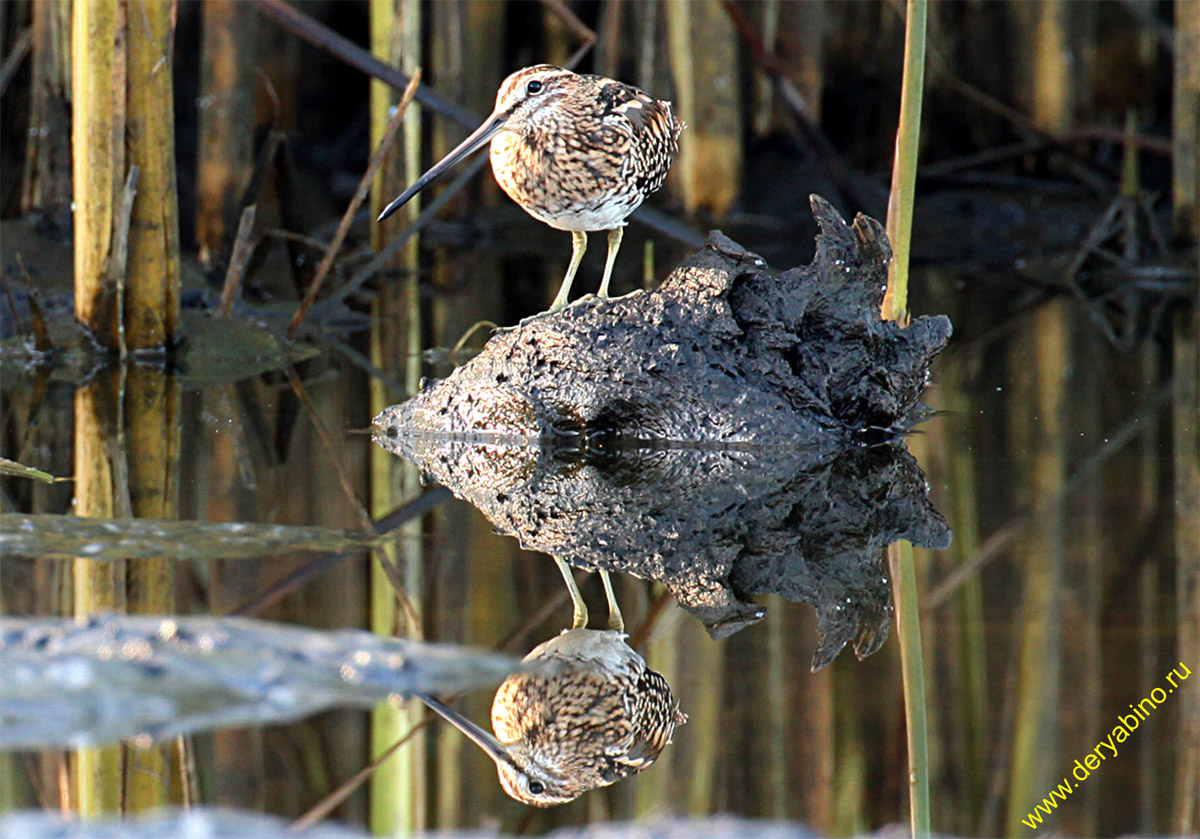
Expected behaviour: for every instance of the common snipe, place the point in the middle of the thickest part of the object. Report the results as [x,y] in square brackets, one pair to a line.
[578,152]
[598,716]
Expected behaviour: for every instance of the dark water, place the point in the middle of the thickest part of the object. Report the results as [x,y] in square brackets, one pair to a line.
[1061,602]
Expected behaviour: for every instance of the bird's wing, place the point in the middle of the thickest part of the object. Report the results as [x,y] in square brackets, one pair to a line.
[654,714]
[643,123]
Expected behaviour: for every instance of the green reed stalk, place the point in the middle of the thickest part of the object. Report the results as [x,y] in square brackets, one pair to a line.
[895,307]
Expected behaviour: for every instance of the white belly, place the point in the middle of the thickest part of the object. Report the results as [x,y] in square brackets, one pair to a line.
[606,647]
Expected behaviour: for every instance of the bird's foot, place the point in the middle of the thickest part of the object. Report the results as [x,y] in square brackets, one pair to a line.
[500,330]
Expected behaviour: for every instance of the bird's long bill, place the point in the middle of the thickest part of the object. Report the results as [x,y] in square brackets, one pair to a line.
[479,137]
[480,736]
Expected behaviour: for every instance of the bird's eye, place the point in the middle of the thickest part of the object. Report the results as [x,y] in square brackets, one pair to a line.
[534,87]
[536,787]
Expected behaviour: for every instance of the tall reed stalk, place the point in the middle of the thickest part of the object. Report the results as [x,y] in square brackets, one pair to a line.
[895,307]
[398,787]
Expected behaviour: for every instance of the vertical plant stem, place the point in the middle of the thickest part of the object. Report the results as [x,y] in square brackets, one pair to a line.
[47,172]
[895,307]
[98,586]
[971,664]
[904,166]
[703,51]
[1185,130]
[152,421]
[225,147]
[908,626]
[1186,421]
[1041,367]
[151,302]
[398,787]
[96,129]
[1053,63]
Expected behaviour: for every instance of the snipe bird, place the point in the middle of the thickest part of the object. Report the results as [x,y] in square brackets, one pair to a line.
[598,716]
[578,152]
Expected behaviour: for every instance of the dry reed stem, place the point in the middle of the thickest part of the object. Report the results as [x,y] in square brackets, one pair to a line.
[151,299]
[1185,130]
[703,52]
[118,265]
[46,176]
[1186,419]
[243,249]
[96,131]
[225,154]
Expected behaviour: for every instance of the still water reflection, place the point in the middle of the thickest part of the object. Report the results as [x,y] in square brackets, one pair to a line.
[1072,609]
[713,526]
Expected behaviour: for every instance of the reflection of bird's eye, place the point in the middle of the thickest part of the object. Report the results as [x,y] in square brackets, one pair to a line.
[536,787]
[534,86]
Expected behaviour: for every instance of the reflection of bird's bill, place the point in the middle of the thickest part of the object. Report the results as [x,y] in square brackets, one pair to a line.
[480,136]
[482,738]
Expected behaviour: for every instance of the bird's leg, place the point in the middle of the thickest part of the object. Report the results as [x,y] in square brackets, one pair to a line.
[581,612]
[615,621]
[614,245]
[578,246]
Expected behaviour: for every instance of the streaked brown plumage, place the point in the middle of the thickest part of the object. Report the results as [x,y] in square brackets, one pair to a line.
[596,715]
[578,152]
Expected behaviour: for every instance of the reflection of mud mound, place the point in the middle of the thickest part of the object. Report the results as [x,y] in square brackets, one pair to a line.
[738,400]
[712,526]
[722,352]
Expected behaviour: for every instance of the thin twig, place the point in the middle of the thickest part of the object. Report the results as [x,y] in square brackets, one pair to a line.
[641,636]
[352,54]
[299,238]
[511,643]
[394,387]
[670,227]
[582,31]
[16,55]
[392,571]
[364,519]
[41,335]
[243,249]
[419,506]
[281,588]
[327,804]
[381,259]
[289,583]
[360,195]
[466,336]
[118,266]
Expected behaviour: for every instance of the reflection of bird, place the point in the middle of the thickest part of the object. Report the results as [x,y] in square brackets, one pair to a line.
[580,153]
[595,715]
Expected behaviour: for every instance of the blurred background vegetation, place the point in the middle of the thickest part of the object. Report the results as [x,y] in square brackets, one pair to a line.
[1056,221]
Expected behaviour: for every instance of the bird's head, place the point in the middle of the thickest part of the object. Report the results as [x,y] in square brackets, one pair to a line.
[524,100]
[528,781]
[527,97]
[522,775]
